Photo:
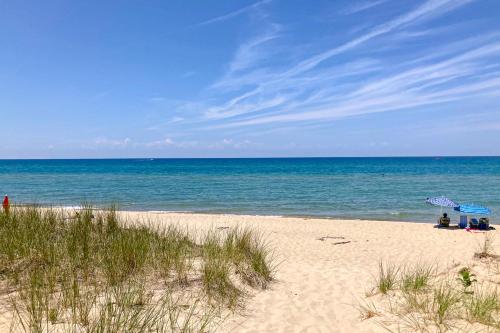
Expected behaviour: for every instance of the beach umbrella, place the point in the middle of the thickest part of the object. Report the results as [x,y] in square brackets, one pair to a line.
[473,209]
[442,202]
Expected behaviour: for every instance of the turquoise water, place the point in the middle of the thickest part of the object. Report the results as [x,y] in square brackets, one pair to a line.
[374,188]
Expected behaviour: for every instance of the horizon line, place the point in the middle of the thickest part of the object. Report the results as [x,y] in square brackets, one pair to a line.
[247,157]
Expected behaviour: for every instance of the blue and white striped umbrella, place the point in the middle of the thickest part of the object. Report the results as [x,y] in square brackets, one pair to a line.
[473,209]
[442,202]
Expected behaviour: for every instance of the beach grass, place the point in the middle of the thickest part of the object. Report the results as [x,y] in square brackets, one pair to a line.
[424,301]
[89,271]
[483,306]
[485,249]
[445,302]
[416,278]
[388,277]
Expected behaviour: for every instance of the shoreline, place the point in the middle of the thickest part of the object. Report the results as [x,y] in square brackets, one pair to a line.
[303,217]
[201,212]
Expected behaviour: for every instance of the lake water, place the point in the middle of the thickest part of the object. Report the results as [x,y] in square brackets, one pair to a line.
[367,188]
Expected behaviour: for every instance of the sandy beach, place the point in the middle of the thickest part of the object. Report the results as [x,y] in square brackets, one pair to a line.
[327,266]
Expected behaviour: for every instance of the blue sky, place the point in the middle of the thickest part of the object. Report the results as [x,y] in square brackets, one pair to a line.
[249,78]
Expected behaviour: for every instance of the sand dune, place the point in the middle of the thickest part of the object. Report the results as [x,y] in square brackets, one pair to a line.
[327,266]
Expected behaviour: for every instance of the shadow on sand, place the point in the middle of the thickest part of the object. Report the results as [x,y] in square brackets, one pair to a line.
[456,227]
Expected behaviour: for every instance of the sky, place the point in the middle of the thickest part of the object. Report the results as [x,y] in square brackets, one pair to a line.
[246,78]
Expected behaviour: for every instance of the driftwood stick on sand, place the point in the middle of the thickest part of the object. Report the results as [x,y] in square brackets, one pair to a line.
[339,243]
[329,237]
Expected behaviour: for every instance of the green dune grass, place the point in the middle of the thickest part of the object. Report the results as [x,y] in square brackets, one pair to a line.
[90,272]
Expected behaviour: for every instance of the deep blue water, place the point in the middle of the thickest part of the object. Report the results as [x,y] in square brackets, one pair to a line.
[374,188]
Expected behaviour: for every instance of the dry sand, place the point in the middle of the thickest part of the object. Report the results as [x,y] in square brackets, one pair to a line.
[327,266]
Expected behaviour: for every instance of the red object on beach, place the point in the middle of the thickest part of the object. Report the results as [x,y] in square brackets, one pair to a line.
[6,203]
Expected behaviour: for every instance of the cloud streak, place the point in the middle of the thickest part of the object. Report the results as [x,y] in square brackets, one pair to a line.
[425,11]
[362,6]
[232,14]
[353,78]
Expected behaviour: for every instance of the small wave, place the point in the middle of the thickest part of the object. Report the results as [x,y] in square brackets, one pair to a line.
[67,207]
[170,211]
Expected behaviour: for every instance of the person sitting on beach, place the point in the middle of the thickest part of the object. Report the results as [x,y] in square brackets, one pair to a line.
[444,220]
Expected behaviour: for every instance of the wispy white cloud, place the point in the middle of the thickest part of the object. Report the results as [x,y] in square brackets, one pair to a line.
[160,143]
[233,14]
[250,52]
[362,6]
[228,144]
[127,143]
[351,78]
[176,119]
[429,9]
[169,143]
[157,99]
[112,142]
[414,87]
